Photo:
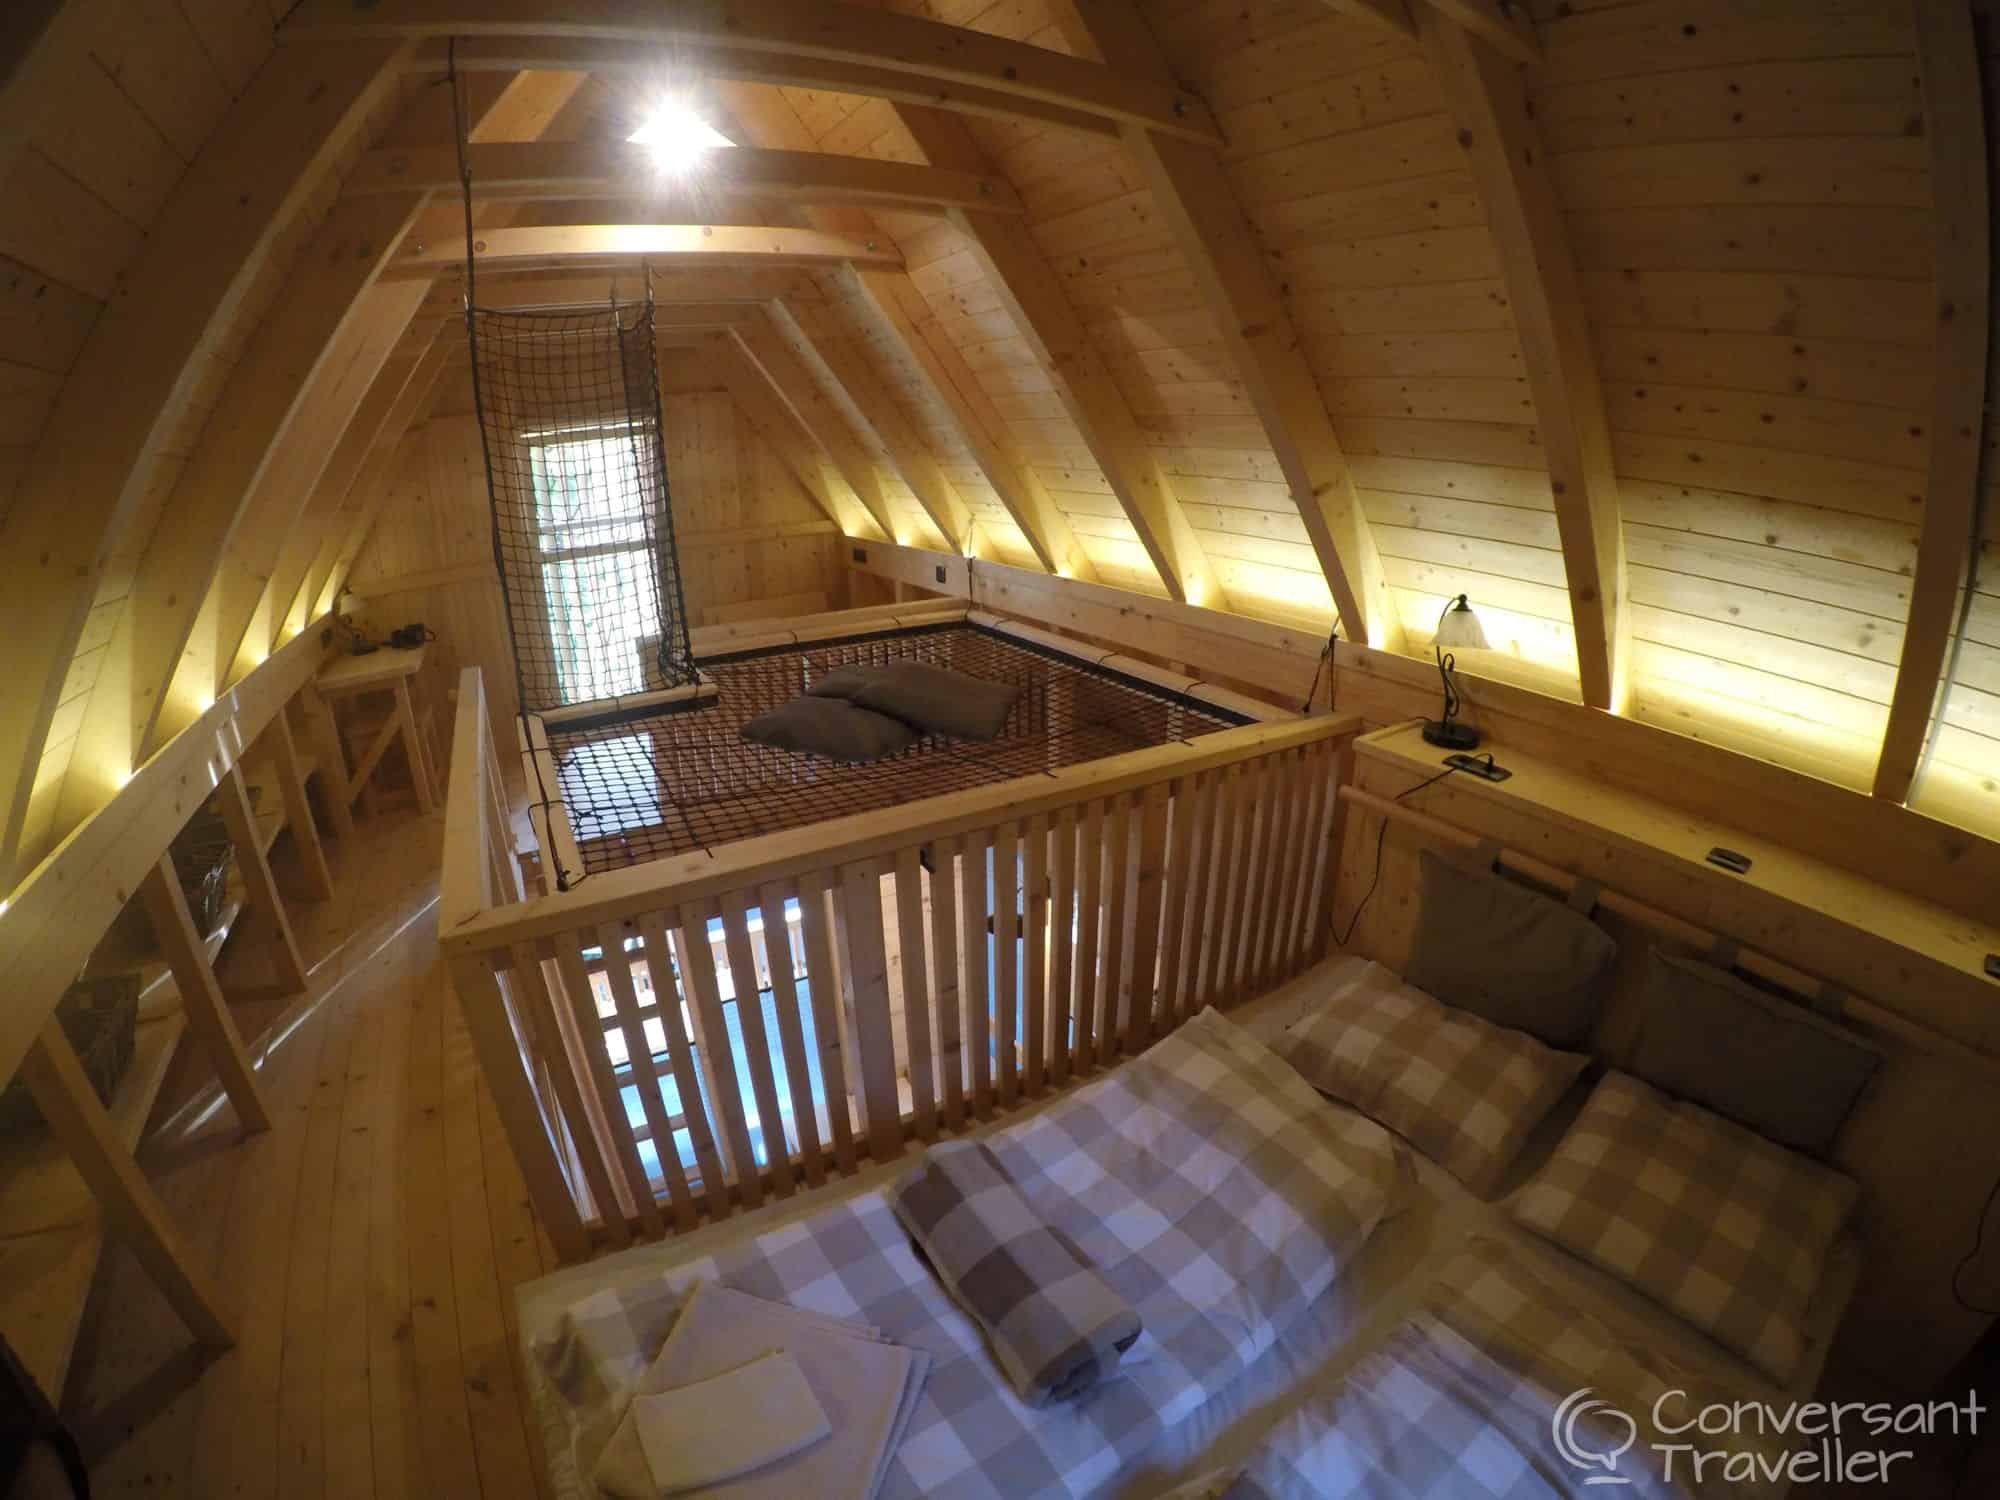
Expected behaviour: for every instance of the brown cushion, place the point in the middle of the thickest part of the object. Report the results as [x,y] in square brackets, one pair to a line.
[1519,959]
[1764,1062]
[932,699]
[830,727]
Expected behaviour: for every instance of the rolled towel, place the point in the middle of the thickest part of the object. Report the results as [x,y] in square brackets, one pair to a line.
[1056,1326]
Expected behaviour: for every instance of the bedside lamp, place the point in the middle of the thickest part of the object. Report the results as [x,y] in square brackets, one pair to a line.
[1457,626]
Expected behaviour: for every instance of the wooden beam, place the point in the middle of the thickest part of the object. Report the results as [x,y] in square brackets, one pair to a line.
[788,376]
[132,1210]
[1392,16]
[201,995]
[580,288]
[808,322]
[133,379]
[1503,25]
[689,244]
[819,29]
[1497,128]
[1034,297]
[53,919]
[1961,187]
[266,390]
[751,389]
[902,309]
[618,169]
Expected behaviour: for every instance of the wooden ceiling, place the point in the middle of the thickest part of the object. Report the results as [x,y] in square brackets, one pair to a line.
[1658,327]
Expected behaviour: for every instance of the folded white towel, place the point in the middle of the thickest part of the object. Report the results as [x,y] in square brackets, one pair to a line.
[732,1424]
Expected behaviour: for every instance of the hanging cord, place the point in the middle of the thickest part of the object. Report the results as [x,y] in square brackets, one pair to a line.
[1325,656]
[1381,833]
[1971,1259]
[564,879]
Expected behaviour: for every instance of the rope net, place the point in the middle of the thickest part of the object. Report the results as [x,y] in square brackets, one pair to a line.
[641,787]
[569,412]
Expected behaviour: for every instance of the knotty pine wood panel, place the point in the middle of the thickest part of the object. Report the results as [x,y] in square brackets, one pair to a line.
[1749,202]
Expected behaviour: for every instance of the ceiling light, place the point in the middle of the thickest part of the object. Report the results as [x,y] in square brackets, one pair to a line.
[677,137]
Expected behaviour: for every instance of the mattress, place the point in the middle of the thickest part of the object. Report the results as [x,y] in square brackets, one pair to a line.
[1433,1220]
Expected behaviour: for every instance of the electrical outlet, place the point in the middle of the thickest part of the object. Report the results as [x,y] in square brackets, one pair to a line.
[940,572]
[861,554]
[1481,766]
[1993,966]
[1730,860]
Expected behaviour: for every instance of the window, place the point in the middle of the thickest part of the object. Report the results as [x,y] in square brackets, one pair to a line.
[597,558]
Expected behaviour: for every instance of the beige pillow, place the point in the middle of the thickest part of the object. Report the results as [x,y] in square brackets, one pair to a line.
[1503,952]
[1710,1220]
[1774,1066]
[1462,1091]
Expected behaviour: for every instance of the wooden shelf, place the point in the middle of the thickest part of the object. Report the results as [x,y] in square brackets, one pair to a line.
[55,1233]
[1949,947]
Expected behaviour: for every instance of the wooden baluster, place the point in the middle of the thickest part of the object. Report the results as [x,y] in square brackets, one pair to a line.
[944,978]
[1173,922]
[1006,960]
[756,1043]
[1111,995]
[823,983]
[1258,830]
[1149,886]
[718,1057]
[1332,835]
[1089,923]
[791,1035]
[1034,948]
[909,872]
[1276,957]
[1298,921]
[639,1052]
[587,1135]
[573,988]
[1062,965]
[874,1037]
[680,1058]
[514,1097]
[974,948]
[1194,912]
[1215,933]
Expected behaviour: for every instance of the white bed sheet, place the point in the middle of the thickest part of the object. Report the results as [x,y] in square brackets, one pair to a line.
[1391,1276]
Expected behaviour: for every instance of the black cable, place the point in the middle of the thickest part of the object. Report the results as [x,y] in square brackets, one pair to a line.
[1972,1257]
[1381,833]
[1325,656]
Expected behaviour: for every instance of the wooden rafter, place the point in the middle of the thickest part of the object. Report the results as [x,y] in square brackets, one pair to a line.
[585,169]
[808,321]
[1511,171]
[1033,295]
[686,244]
[1503,25]
[752,391]
[906,315]
[1192,189]
[132,380]
[584,288]
[808,29]
[1961,186]
[787,375]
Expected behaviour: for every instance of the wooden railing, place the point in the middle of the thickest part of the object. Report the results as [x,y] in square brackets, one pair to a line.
[1111,900]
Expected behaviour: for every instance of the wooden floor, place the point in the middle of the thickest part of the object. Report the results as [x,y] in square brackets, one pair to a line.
[370,1243]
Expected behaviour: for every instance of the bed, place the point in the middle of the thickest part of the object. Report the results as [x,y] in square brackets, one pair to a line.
[1189,1426]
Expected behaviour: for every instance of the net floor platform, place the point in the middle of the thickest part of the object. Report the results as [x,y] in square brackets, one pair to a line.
[648,786]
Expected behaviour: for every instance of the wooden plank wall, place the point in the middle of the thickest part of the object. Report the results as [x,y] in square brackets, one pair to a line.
[124,114]
[749,537]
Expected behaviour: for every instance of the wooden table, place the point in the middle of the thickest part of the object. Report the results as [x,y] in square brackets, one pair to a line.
[392,672]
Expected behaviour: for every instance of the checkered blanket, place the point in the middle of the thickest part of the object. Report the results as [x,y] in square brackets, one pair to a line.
[1495,1389]
[1213,1189]
[1053,1324]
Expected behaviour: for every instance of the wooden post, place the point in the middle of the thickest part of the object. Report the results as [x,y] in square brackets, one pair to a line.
[241,820]
[131,1209]
[201,996]
[284,753]
[413,746]
[335,784]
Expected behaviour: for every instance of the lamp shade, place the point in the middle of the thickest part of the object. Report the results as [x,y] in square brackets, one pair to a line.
[1459,628]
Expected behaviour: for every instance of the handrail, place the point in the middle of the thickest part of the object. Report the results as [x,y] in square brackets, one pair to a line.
[616,894]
